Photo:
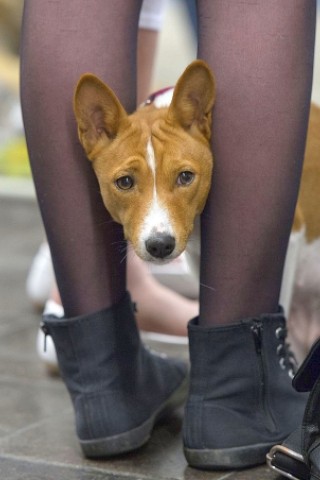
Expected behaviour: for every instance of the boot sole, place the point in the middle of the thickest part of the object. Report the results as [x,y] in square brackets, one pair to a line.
[135,438]
[228,458]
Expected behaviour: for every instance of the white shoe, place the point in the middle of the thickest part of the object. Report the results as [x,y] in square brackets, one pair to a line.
[175,345]
[40,277]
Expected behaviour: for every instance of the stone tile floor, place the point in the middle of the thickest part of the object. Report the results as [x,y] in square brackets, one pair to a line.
[37,440]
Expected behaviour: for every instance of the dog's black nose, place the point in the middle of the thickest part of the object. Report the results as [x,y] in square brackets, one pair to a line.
[161,245]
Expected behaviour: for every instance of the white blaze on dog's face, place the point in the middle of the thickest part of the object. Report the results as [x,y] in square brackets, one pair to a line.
[156,235]
[154,166]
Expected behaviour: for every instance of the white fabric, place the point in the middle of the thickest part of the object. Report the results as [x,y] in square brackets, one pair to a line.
[164,99]
[152,14]
[40,277]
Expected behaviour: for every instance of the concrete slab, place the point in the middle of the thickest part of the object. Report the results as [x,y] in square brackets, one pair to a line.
[37,437]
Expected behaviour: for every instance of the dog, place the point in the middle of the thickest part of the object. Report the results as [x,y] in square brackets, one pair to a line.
[304,311]
[154,166]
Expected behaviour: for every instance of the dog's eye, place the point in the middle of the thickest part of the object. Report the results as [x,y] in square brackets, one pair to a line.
[125,183]
[185,178]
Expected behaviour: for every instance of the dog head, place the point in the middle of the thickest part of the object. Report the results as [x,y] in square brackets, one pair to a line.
[154,166]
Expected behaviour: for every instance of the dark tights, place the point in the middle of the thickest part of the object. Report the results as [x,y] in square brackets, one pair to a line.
[262,55]
[62,40]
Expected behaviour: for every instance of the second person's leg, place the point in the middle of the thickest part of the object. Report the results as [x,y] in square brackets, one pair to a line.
[241,399]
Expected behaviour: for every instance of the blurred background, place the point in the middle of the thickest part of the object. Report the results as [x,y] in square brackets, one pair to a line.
[176,48]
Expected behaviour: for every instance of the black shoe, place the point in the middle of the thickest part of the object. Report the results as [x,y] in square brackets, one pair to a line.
[119,389]
[241,400]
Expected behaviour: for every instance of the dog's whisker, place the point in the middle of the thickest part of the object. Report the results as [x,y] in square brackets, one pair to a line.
[120,248]
[119,242]
[124,257]
[207,286]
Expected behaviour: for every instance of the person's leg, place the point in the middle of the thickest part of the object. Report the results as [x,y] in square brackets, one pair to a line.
[147,45]
[241,398]
[118,387]
[155,309]
[262,56]
[61,41]
[150,25]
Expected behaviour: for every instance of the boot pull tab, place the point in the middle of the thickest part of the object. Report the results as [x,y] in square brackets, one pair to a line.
[46,332]
[256,330]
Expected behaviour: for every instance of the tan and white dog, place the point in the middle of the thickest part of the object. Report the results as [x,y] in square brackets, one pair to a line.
[304,313]
[154,166]
[154,169]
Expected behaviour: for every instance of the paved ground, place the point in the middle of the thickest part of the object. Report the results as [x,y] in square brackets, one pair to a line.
[37,440]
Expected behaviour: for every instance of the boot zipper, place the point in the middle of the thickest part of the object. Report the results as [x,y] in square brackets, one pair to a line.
[257,329]
[46,332]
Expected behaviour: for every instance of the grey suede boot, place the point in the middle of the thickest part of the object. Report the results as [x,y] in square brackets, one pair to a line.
[241,400]
[118,387]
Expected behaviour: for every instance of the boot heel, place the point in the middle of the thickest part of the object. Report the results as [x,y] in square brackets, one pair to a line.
[227,458]
[137,437]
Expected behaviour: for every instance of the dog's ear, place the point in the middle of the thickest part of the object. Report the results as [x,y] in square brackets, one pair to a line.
[193,98]
[98,112]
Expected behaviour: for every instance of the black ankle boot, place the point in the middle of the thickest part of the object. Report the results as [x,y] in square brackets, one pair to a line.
[241,400]
[118,387]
